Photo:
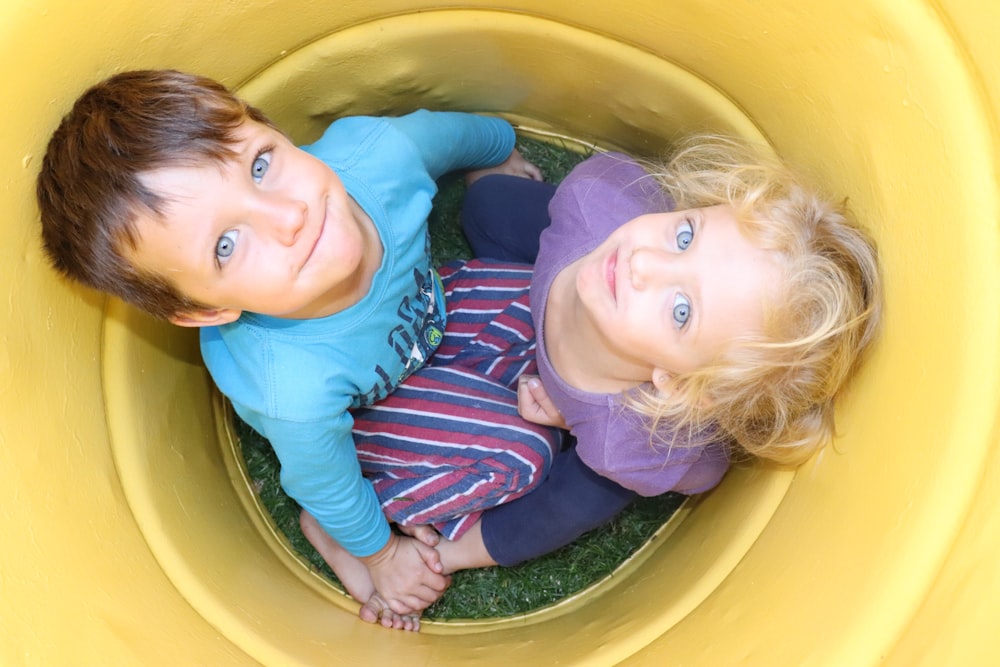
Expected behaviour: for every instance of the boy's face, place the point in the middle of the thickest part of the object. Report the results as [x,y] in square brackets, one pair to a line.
[670,290]
[271,231]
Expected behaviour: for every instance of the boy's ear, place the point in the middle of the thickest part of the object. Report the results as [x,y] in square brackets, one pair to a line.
[209,317]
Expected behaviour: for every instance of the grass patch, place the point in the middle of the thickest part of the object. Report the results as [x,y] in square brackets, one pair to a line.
[488,592]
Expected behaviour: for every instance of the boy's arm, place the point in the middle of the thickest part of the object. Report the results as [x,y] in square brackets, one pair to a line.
[450,140]
[514,165]
[320,470]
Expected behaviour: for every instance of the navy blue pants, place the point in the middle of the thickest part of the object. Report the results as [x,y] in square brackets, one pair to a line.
[502,217]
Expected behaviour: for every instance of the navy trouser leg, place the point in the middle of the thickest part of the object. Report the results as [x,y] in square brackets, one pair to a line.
[502,217]
[571,501]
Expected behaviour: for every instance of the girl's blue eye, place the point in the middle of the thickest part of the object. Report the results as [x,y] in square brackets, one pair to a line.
[685,234]
[259,166]
[682,311]
[226,245]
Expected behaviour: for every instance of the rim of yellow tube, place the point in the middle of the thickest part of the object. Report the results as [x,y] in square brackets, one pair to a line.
[127,528]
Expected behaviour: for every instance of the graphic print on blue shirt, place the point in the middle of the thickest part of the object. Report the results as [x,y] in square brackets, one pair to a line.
[415,339]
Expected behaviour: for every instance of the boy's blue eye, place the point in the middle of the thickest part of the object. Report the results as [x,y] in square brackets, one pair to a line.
[682,311]
[259,166]
[226,245]
[685,234]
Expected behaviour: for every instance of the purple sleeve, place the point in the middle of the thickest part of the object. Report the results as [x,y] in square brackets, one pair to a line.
[617,444]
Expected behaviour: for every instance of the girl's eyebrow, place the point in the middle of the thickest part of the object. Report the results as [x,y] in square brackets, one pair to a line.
[694,299]
[694,285]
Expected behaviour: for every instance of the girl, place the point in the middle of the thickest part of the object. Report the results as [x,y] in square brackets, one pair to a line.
[685,314]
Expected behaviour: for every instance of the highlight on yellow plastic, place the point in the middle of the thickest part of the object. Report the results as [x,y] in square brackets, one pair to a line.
[130,537]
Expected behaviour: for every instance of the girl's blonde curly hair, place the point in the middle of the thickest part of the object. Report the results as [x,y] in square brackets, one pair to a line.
[774,393]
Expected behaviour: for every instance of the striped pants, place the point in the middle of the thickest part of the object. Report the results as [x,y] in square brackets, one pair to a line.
[448,443]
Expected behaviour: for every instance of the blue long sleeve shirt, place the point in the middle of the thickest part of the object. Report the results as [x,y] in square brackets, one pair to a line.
[294,381]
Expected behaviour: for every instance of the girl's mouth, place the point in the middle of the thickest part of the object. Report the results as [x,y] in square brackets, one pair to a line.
[611,271]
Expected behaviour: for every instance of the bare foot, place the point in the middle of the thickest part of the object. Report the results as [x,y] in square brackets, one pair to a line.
[352,572]
[375,610]
[354,575]
[468,552]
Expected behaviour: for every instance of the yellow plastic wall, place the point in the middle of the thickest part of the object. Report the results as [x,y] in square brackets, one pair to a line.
[125,536]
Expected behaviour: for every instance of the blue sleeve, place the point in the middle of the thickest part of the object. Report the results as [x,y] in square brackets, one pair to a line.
[320,470]
[572,500]
[450,140]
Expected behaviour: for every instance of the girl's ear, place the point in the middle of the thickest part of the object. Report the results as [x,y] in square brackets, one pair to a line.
[661,379]
[210,317]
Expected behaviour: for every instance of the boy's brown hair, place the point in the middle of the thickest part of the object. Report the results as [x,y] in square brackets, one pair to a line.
[90,189]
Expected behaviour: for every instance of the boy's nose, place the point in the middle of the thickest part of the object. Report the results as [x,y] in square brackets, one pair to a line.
[286,218]
[651,267]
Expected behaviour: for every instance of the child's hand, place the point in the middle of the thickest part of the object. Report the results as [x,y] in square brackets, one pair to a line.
[514,165]
[407,574]
[422,533]
[534,404]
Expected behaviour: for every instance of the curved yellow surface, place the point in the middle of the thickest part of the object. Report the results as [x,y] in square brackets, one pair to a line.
[129,535]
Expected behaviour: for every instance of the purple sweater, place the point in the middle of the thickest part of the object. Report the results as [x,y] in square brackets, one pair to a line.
[599,196]
[614,458]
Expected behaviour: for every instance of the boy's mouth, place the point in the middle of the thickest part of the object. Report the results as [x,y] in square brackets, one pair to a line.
[319,235]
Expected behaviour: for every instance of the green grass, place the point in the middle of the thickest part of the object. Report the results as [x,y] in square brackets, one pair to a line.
[489,592]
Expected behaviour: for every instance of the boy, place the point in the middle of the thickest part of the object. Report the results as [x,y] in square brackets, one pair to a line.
[308,273]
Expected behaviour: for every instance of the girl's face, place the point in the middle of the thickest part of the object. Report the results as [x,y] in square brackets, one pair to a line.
[670,290]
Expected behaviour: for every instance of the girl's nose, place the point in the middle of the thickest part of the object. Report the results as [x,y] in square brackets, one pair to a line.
[651,267]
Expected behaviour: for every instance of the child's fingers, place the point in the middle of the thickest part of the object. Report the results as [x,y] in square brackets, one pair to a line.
[422,533]
[430,556]
[415,602]
[525,400]
[541,397]
[426,535]
[532,171]
[534,404]
[527,405]
[518,165]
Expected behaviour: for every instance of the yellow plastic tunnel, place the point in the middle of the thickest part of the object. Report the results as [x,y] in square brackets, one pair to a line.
[129,537]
